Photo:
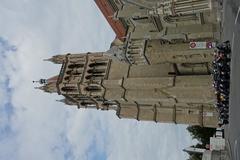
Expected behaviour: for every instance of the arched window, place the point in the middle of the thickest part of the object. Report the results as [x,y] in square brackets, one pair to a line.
[69,72]
[73,72]
[96,64]
[69,89]
[67,78]
[96,71]
[93,88]
[95,77]
[75,66]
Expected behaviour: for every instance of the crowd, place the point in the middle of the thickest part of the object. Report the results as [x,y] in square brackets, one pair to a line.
[221,80]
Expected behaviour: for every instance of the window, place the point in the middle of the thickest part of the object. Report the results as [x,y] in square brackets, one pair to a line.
[96,64]
[69,89]
[76,66]
[96,71]
[93,88]
[95,77]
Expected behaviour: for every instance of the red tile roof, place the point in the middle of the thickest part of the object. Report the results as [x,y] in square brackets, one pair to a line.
[108,13]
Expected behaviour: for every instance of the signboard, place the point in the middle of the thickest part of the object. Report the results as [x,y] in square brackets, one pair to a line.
[202,45]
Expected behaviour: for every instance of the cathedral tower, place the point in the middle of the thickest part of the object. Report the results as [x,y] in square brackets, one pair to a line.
[153,92]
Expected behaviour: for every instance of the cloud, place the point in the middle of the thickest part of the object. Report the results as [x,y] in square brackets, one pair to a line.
[33,124]
[7,136]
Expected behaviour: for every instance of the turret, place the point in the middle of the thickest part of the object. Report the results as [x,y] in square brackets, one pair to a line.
[57,59]
[48,85]
[66,101]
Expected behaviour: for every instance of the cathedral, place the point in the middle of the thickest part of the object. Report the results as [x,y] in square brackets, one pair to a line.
[149,73]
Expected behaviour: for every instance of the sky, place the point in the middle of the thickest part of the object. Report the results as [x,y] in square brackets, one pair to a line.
[33,125]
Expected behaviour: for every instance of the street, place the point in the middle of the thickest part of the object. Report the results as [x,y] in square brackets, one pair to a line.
[231,32]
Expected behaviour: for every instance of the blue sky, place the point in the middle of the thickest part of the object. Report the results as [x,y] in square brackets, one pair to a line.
[32,124]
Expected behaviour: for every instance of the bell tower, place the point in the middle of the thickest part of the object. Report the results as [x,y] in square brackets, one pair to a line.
[143,92]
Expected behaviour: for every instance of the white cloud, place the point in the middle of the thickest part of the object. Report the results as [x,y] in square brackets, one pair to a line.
[41,128]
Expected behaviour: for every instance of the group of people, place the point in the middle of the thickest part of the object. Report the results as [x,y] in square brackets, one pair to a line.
[221,83]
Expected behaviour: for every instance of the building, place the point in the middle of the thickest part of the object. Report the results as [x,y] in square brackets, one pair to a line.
[215,155]
[218,152]
[168,20]
[143,92]
[149,73]
[162,28]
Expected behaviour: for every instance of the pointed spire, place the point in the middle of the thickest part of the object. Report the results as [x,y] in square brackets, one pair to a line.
[49,59]
[46,88]
[41,81]
[57,59]
[66,101]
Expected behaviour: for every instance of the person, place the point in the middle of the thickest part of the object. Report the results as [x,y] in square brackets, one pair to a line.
[225,47]
[224,116]
[222,87]
[221,80]
[225,121]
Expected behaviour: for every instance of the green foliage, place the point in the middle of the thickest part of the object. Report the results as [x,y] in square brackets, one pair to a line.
[202,134]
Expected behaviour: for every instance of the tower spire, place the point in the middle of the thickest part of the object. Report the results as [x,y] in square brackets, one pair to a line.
[48,59]
[41,81]
[57,59]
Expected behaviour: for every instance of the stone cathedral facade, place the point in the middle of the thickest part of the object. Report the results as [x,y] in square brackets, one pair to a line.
[142,92]
[149,73]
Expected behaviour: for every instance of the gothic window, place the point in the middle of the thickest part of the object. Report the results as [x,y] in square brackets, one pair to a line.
[96,64]
[75,66]
[67,78]
[69,72]
[69,89]
[95,77]
[93,88]
[73,72]
[96,71]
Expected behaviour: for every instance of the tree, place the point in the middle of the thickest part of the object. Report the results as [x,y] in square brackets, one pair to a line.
[202,134]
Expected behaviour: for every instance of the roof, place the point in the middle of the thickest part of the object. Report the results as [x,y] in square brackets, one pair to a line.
[52,79]
[108,13]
